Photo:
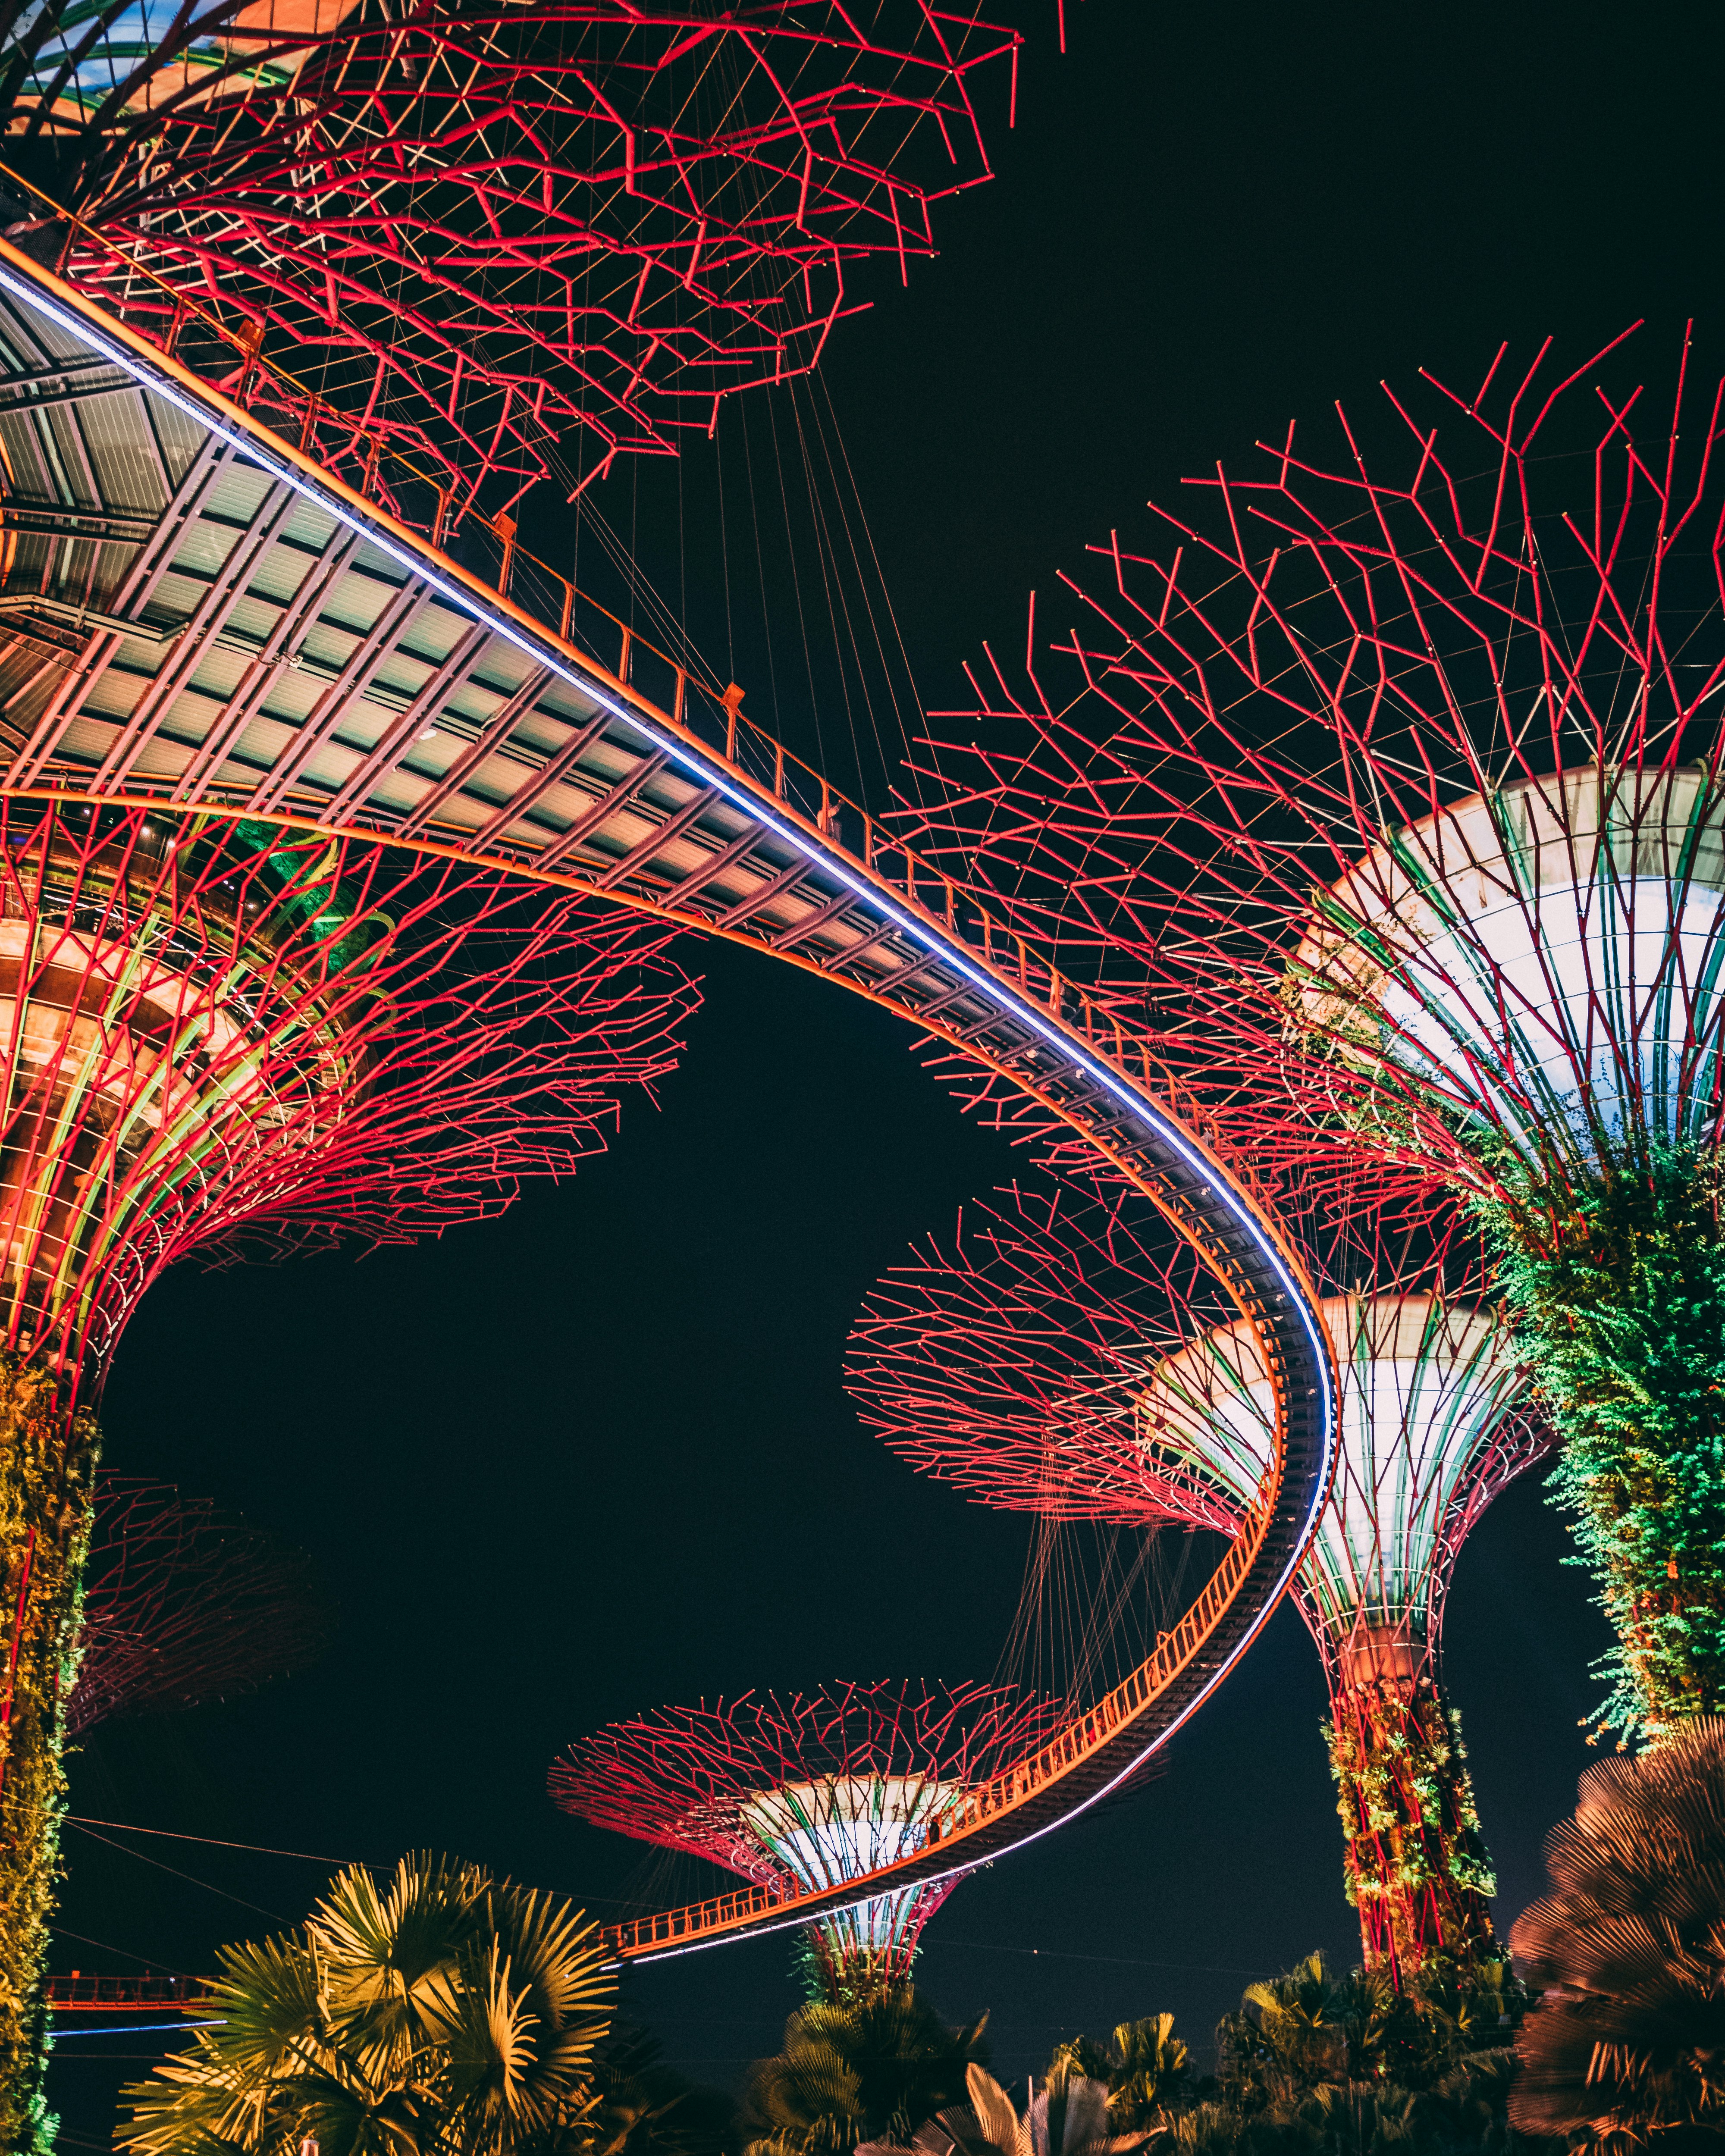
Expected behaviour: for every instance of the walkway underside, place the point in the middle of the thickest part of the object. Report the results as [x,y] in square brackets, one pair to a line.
[192,615]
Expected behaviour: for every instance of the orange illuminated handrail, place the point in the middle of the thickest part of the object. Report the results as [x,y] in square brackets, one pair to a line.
[1069,1748]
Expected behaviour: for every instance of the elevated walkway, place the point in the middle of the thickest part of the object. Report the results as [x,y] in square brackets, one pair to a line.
[195,617]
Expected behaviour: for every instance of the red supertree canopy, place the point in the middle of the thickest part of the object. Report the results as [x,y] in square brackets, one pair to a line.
[1012,1362]
[1057,1360]
[810,1791]
[480,231]
[1386,795]
[219,1036]
[184,1603]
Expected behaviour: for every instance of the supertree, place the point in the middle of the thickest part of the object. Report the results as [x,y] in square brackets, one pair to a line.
[1389,796]
[183,1603]
[219,1035]
[1055,1358]
[473,233]
[807,1791]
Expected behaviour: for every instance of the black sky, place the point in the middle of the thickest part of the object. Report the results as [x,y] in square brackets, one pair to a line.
[595,1457]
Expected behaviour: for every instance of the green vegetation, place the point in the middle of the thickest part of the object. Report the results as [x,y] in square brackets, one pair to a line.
[1617,1283]
[1313,2064]
[849,2074]
[452,2015]
[1318,2062]
[51,1458]
[1143,2072]
[447,2011]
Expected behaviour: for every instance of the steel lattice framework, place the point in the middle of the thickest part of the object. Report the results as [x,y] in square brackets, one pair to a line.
[812,1791]
[1053,1361]
[183,1604]
[1389,793]
[477,232]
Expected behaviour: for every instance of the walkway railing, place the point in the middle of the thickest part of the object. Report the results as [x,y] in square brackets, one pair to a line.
[965,949]
[125,1994]
[1069,1749]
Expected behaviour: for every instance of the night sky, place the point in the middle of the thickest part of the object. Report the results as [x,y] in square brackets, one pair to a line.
[595,1457]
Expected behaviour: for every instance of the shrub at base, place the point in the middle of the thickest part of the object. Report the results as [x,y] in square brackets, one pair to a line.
[1626,2046]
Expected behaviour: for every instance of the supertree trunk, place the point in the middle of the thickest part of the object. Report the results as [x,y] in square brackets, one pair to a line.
[840,1965]
[1416,1867]
[45,1486]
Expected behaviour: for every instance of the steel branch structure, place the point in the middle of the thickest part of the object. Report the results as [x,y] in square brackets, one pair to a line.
[378,688]
[1388,791]
[477,233]
[1053,1361]
[216,1035]
[815,1791]
[184,1603]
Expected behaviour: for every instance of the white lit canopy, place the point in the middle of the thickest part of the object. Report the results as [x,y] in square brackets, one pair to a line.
[1546,958]
[1427,1391]
[829,1832]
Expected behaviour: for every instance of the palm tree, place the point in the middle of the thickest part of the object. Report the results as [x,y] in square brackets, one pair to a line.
[1144,2069]
[446,2011]
[849,2074]
[1626,2046]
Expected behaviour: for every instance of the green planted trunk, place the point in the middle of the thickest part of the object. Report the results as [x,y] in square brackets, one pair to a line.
[49,1460]
[835,1970]
[1417,1869]
[1618,1287]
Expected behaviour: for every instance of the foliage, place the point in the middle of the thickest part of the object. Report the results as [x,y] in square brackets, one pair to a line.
[1316,2064]
[1626,2046]
[1618,1285]
[49,1457]
[1301,2031]
[447,2011]
[1463,2114]
[1068,2117]
[847,2075]
[1416,1867]
[1145,2068]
